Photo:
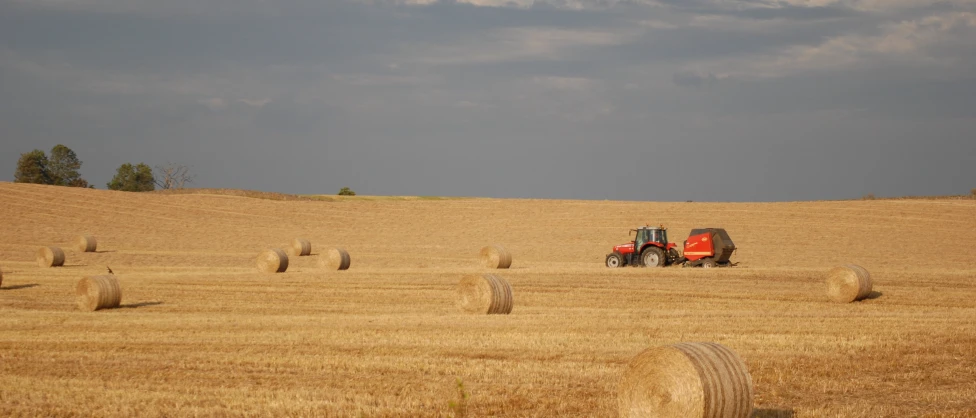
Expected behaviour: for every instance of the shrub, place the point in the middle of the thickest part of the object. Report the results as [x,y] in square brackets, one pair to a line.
[345,191]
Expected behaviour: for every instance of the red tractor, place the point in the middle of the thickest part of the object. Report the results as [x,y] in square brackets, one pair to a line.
[705,247]
[650,248]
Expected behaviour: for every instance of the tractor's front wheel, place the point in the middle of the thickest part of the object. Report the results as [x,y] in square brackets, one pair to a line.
[615,260]
[653,257]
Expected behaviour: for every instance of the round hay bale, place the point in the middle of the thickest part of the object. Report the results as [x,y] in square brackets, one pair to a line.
[300,247]
[336,259]
[848,283]
[273,261]
[50,257]
[686,380]
[484,294]
[496,257]
[86,244]
[98,292]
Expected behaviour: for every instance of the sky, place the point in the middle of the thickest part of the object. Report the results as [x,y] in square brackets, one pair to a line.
[663,100]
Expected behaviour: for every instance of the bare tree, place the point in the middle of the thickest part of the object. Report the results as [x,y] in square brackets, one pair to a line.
[172,176]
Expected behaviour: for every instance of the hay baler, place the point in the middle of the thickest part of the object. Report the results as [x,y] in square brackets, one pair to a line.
[708,247]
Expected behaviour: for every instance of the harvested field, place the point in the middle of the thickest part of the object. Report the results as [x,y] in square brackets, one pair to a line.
[202,332]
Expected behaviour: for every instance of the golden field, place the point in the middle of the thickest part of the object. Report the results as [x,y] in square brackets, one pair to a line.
[202,333]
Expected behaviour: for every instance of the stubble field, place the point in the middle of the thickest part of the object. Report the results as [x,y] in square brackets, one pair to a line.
[202,333]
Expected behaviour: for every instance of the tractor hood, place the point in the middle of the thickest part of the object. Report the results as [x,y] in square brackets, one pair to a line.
[624,248]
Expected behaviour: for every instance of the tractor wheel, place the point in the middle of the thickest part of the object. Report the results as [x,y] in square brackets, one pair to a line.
[708,264]
[615,260]
[653,257]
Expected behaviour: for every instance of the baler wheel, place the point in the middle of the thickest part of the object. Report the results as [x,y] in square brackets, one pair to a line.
[653,257]
[708,264]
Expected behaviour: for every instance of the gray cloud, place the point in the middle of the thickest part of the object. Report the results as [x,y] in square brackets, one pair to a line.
[570,99]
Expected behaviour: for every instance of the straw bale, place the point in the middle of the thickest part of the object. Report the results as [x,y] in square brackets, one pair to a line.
[848,283]
[300,247]
[496,257]
[335,259]
[484,294]
[686,380]
[99,292]
[86,244]
[50,257]
[273,261]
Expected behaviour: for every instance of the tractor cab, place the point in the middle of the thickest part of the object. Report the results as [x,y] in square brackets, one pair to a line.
[648,234]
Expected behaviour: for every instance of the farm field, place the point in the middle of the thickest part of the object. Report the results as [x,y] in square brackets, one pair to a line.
[202,333]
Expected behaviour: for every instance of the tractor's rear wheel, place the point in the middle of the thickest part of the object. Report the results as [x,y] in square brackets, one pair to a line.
[708,264]
[653,257]
[615,260]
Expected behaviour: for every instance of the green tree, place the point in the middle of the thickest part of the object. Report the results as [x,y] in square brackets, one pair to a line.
[129,178]
[63,166]
[345,191]
[32,168]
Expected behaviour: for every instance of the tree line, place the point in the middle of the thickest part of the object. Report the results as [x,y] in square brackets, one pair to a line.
[61,169]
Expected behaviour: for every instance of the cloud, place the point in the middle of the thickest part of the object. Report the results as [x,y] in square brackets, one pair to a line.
[214,103]
[934,44]
[516,44]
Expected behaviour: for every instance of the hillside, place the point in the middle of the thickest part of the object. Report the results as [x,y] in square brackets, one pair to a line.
[201,332]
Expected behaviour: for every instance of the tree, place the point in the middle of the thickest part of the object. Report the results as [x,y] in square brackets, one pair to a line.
[32,168]
[345,191]
[131,178]
[61,169]
[172,176]
[63,166]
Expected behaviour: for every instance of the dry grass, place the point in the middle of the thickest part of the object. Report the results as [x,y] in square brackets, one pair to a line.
[202,333]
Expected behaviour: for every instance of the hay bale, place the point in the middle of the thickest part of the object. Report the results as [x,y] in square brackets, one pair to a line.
[335,259]
[484,294]
[86,244]
[686,380]
[300,247]
[848,283]
[273,261]
[496,257]
[98,292]
[50,257]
